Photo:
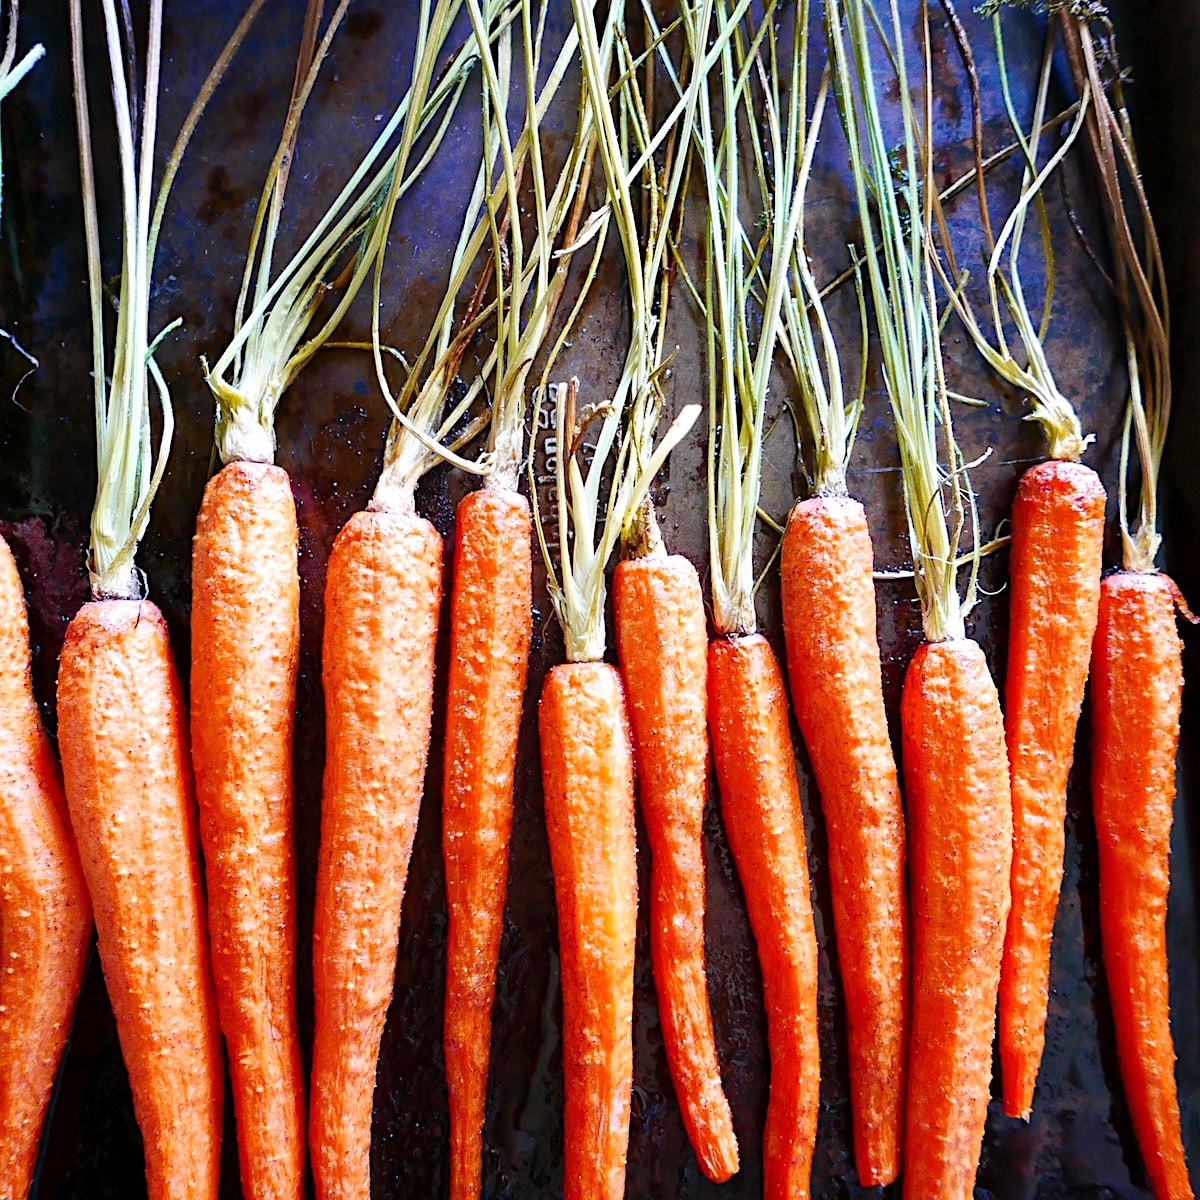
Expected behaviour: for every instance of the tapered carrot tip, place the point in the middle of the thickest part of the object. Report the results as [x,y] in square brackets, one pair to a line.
[587,774]
[828,602]
[760,800]
[662,639]
[122,730]
[1137,686]
[1057,542]
[959,811]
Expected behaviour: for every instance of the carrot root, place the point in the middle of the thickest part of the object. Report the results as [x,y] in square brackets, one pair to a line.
[1137,685]
[587,772]
[760,801]
[828,598]
[663,645]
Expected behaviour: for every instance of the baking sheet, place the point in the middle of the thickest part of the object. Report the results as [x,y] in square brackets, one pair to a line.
[1079,1144]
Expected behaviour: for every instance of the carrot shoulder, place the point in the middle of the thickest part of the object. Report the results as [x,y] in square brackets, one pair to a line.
[587,774]
[1057,540]
[828,598]
[490,627]
[123,735]
[760,802]
[45,914]
[960,859]
[245,641]
[382,596]
[662,641]
[1137,685]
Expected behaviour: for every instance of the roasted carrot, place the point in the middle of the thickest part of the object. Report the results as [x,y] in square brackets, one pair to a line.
[960,855]
[245,643]
[382,597]
[45,914]
[662,640]
[828,603]
[1137,684]
[1054,589]
[760,803]
[490,629]
[123,733]
[587,774]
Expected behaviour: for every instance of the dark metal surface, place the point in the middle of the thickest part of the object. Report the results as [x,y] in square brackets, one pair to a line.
[1079,1145]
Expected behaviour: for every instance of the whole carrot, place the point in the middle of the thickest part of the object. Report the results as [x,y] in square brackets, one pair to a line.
[382,597]
[45,914]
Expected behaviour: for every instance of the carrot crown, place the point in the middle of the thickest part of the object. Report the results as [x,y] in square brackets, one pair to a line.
[269,347]
[129,469]
[1138,275]
[13,71]
[901,277]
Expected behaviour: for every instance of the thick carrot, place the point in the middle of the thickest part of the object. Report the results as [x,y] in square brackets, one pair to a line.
[587,775]
[960,860]
[245,640]
[662,641]
[123,734]
[1137,684]
[1057,540]
[760,801]
[490,627]
[45,914]
[828,598]
[382,596]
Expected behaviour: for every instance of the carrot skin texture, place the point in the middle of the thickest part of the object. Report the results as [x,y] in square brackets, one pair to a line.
[760,802]
[490,629]
[662,641]
[123,733]
[45,913]
[587,776]
[960,862]
[245,647]
[828,598]
[382,596]
[1137,686]
[1057,542]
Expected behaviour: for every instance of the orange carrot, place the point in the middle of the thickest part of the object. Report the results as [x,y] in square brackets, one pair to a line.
[960,859]
[662,641]
[1137,683]
[760,801]
[123,734]
[45,915]
[828,599]
[245,640]
[1057,539]
[382,596]
[587,774]
[490,626]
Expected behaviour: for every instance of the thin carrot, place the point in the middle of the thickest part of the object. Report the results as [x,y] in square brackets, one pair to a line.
[123,732]
[1137,670]
[828,601]
[245,644]
[382,597]
[760,801]
[45,914]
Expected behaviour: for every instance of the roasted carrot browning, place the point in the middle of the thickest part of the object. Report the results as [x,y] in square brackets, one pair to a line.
[760,801]
[45,914]
[245,641]
[828,598]
[1057,540]
[490,626]
[123,733]
[587,773]
[1137,684]
[662,640]
[382,596]
[960,858]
